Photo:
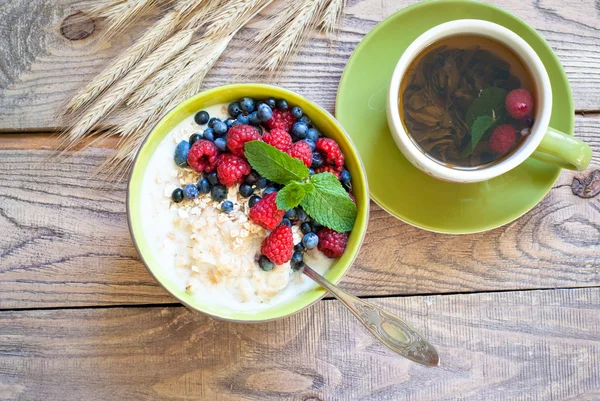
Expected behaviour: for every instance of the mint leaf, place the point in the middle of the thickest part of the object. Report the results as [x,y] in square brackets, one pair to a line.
[329,203]
[489,103]
[479,127]
[273,164]
[291,195]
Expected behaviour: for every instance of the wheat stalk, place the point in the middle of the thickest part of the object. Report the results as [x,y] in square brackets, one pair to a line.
[333,16]
[154,36]
[125,86]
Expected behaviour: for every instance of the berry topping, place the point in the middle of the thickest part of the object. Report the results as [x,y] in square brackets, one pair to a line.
[519,103]
[328,169]
[234,109]
[195,138]
[310,240]
[227,206]
[177,195]
[190,191]
[278,138]
[220,128]
[201,117]
[247,104]
[232,169]
[221,144]
[253,200]
[281,119]
[213,178]
[332,155]
[238,136]
[299,130]
[202,156]
[282,104]
[264,112]
[204,186]
[332,243]
[279,245]
[297,112]
[209,134]
[181,153]
[246,190]
[503,138]
[212,121]
[265,263]
[218,193]
[301,151]
[269,190]
[265,212]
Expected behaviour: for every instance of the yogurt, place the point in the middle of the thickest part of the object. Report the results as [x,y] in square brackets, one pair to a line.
[210,254]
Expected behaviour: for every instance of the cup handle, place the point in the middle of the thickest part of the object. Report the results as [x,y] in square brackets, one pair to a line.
[563,150]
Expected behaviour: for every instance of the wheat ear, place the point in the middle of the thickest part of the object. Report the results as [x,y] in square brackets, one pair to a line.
[125,86]
[332,16]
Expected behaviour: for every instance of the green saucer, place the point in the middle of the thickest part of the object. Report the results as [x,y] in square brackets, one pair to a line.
[399,187]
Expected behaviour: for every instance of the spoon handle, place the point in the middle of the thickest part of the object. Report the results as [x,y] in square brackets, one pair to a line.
[392,331]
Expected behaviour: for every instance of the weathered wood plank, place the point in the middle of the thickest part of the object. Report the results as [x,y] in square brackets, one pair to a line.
[535,345]
[65,240]
[40,68]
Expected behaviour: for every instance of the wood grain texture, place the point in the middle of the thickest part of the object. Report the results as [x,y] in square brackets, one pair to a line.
[40,68]
[535,345]
[66,241]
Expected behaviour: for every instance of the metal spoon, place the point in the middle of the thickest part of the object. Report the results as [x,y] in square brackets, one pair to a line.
[392,331]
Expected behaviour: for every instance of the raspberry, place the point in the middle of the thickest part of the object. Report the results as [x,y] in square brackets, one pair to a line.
[332,243]
[331,152]
[279,245]
[330,169]
[503,138]
[232,169]
[301,150]
[203,156]
[278,138]
[265,212]
[237,137]
[282,120]
[519,103]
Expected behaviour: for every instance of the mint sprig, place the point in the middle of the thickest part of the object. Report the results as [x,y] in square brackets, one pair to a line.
[321,195]
[485,112]
[273,164]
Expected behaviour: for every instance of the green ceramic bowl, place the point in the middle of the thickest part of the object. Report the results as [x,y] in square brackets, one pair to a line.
[224,94]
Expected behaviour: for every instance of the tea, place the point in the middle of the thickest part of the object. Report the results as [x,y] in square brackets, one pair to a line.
[467,101]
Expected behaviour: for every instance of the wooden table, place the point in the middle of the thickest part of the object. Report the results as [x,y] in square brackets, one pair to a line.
[514,312]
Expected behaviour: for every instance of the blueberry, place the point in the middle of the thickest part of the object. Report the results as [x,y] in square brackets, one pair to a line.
[265,263]
[296,258]
[246,190]
[317,160]
[220,128]
[213,178]
[264,112]
[305,119]
[299,130]
[299,247]
[261,183]
[282,104]
[311,171]
[218,193]
[177,195]
[209,134]
[345,177]
[234,109]
[243,119]
[271,102]
[236,122]
[229,122]
[221,144]
[310,240]
[253,200]
[195,138]
[290,213]
[181,153]
[253,118]
[259,129]
[204,186]
[286,222]
[247,105]
[528,121]
[306,228]
[297,112]
[252,178]
[316,226]
[302,216]
[227,206]
[312,134]
[312,144]
[201,117]
[269,190]
[190,191]
[212,121]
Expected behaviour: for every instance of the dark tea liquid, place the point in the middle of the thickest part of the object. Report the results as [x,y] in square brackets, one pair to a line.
[453,97]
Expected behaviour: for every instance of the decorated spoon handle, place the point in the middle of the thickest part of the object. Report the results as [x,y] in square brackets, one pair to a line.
[392,331]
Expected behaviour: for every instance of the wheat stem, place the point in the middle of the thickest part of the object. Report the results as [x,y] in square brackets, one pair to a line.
[333,16]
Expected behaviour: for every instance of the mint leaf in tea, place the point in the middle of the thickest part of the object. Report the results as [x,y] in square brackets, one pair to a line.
[466,101]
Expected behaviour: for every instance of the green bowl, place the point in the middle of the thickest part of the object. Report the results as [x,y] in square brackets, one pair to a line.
[224,94]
